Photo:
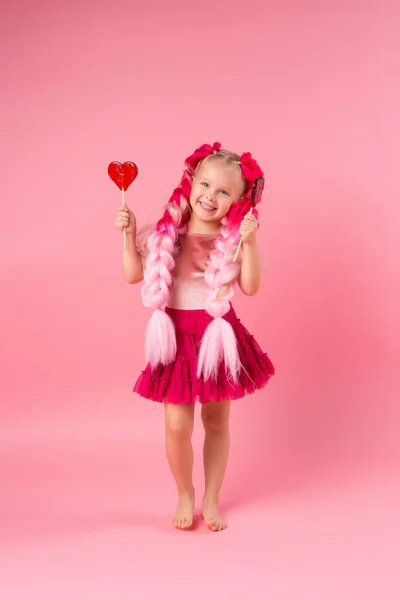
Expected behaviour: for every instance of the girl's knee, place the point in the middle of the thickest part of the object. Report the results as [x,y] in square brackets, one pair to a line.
[178,421]
[178,427]
[215,419]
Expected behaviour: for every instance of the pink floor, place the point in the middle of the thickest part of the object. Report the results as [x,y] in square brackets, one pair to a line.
[83,516]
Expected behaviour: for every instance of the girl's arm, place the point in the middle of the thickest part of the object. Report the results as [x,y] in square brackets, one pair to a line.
[250,274]
[132,264]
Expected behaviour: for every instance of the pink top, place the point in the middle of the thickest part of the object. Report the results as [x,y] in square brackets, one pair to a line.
[189,289]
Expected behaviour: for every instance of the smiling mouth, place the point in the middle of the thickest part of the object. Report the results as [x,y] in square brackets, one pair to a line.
[206,207]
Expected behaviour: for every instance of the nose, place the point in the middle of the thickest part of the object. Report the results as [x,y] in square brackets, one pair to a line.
[210,197]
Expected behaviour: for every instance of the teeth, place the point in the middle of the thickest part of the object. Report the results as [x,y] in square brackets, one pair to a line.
[206,207]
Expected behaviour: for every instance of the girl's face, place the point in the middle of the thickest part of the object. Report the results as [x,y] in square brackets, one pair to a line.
[215,187]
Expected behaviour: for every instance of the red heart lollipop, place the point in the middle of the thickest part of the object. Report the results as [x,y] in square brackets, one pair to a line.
[122,174]
[257,191]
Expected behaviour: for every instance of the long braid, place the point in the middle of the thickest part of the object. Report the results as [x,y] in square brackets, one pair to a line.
[162,246]
[219,340]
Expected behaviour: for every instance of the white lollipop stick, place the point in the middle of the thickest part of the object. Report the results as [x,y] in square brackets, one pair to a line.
[241,242]
[123,204]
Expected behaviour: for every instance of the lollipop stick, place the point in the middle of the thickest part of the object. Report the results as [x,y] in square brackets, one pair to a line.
[123,204]
[238,250]
[240,243]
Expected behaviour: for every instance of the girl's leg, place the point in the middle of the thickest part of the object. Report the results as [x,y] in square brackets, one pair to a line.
[215,417]
[179,419]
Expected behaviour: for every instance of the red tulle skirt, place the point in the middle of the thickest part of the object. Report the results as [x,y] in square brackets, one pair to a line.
[178,383]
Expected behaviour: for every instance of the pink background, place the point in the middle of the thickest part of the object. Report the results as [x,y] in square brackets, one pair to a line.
[311,89]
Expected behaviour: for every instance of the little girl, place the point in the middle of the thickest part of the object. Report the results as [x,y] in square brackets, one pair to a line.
[197,348]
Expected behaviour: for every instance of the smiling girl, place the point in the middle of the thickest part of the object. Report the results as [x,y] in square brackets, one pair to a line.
[197,349]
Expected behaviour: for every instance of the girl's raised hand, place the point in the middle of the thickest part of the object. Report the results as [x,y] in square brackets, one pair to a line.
[248,228]
[125,218]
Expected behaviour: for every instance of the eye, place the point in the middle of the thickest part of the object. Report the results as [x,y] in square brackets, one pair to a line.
[204,183]
[224,192]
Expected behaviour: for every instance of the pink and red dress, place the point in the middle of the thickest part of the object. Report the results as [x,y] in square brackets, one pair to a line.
[178,382]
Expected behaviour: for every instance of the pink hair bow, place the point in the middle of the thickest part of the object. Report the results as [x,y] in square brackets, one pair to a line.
[205,150]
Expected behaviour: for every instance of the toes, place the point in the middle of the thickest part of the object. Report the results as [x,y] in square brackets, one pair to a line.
[182,522]
[177,522]
[216,525]
[210,524]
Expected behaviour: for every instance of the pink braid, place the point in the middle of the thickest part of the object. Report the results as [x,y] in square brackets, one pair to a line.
[219,340]
[162,245]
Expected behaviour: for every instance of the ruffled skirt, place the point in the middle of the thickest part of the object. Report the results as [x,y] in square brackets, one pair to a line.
[178,383]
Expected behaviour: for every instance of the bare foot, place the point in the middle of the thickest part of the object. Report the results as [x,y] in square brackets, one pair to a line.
[212,516]
[183,518]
